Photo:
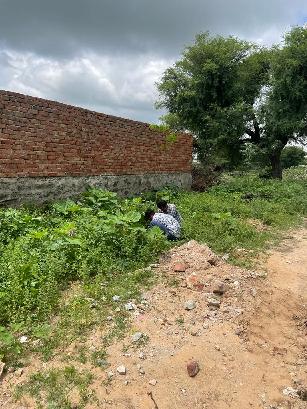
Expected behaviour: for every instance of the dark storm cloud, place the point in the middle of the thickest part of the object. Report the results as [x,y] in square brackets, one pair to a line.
[62,27]
[107,55]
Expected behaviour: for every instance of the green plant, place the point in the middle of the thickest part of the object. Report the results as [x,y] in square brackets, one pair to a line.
[53,389]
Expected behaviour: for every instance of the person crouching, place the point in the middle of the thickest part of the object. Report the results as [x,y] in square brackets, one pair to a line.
[167,223]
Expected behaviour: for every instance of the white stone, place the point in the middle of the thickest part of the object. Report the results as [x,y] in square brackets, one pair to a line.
[137,336]
[121,370]
[116,298]
[189,305]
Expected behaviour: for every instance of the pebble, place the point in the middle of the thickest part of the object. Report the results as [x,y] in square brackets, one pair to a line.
[192,368]
[137,336]
[121,370]
[110,374]
[213,303]
[291,392]
[142,355]
[129,306]
[194,332]
[189,305]
[2,366]
[254,292]
[153,382]
[109,318]
[117,309]
[23,339]
[19,371]
[116,298]
[219,288]
[180,267]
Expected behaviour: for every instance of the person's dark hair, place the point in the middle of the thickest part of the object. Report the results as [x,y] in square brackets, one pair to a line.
[162,204]
[148,214]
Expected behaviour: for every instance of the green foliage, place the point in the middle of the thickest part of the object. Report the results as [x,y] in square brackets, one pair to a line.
[292,156]
[224,216]
[99,235]
[170,136]
[296,174]
[211,92]
[53,389]
[228,92]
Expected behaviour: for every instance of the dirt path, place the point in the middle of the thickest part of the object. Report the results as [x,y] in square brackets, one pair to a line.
[251,348]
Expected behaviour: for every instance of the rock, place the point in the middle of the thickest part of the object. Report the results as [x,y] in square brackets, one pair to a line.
[213,260]
[126,382]
[213,303]
[129,306]
[137,336]
[110,374]
[291,392]
[192,368]
[180,267]
[142,355]
[117,309]
[225,257]
[142,371]
[219,288]
[2,366]
[23,339]
[302,393]
[194,332]
[19,371]
[121,370]
[154,265]
[254,292]
[189,305]
[109,318]
[153,382]
[116,298]
[195,281]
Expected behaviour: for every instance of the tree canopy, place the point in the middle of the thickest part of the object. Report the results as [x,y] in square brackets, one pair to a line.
[229,92]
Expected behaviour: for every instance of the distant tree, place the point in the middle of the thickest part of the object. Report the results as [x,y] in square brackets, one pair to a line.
[292,156]
[229,92]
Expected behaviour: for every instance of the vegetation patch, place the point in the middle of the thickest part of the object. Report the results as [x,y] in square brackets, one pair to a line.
[73,266]
[58,388]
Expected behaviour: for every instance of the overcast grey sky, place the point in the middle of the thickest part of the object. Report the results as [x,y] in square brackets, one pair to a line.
[106,55]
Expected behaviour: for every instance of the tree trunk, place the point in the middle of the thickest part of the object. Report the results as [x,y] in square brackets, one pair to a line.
[276,170]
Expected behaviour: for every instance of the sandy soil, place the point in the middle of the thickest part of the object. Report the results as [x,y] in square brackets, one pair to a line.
[250,342]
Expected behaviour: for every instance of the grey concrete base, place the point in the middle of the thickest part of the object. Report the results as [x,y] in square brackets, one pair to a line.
[14,191]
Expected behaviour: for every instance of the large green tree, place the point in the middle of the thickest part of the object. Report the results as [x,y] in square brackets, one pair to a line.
[228,92]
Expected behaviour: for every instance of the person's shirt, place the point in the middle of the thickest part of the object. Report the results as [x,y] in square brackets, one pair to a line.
[172,210]
[167,223]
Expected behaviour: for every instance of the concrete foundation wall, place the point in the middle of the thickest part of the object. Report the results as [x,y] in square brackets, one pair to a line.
[14,191]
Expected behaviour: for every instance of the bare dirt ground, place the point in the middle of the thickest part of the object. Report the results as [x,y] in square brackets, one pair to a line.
[247,330]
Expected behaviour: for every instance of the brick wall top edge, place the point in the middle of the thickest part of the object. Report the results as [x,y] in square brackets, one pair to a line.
[46,103]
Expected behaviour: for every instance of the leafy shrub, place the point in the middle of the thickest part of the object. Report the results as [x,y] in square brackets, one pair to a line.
[292,156]
[42,255]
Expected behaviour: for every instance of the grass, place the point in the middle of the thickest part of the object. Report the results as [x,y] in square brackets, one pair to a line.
[61,266]
[57,388]
[244,213]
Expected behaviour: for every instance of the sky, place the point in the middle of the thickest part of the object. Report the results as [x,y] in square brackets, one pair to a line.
[107,55]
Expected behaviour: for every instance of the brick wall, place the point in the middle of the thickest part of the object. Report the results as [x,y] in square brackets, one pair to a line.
[40,138]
